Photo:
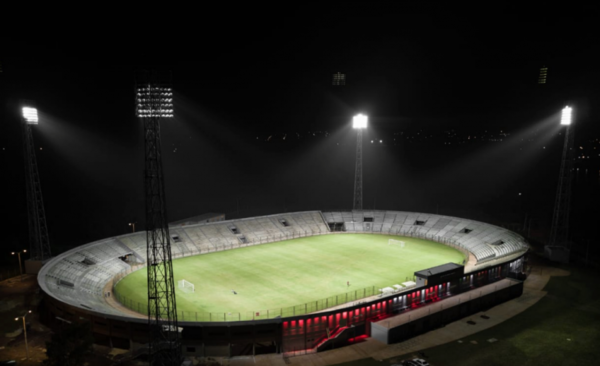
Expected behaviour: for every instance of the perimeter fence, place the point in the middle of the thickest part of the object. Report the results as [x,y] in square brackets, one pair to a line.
[261,314]
[301,309]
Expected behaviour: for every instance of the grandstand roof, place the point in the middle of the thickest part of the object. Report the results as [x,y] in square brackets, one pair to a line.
[426,273]
[207,217]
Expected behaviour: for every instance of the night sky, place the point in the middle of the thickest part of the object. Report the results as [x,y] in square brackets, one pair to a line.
[259,128]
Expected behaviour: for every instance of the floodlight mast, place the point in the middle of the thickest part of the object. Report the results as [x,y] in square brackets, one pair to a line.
[559,231]
[359,122]
[154,97]
[39,242]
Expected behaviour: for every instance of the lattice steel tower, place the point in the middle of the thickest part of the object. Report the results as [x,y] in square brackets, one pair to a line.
[359,123]
[38,230]
[154,97]
[559,232]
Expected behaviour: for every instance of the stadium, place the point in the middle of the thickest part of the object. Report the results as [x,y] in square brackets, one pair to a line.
[341,274]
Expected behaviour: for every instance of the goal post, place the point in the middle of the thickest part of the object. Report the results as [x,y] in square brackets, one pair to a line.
[399,243]
[186,286]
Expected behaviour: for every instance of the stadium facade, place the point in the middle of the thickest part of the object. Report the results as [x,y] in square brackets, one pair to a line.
[76,284]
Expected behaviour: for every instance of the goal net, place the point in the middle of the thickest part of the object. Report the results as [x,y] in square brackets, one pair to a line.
[186,286]
[399,243]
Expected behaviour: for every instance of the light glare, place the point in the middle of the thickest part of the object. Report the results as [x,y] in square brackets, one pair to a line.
[566,116]
[360,121]
[30,115]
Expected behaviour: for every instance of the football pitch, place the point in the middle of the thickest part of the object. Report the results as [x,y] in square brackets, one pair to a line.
[291,272]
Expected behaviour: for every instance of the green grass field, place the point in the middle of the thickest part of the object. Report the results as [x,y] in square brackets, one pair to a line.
[292,272]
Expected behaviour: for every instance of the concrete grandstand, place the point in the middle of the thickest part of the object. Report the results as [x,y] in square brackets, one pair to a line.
[80,277]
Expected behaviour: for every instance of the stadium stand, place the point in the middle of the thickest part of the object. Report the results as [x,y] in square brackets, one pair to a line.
[485,241]
[79,276]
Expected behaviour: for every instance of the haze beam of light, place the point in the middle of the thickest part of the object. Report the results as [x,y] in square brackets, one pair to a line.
[322,172]
[91,154]
[208,163]
[94,176]
[497,166]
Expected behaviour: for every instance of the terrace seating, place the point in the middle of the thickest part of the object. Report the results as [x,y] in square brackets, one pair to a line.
[198,237]
[180,238]
[478,238]
[136,242]
[79,276]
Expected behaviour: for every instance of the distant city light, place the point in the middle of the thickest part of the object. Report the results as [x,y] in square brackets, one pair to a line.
[30,115]
[360,121]
[566,116]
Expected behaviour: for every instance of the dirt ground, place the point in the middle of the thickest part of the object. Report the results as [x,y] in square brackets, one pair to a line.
[18,295]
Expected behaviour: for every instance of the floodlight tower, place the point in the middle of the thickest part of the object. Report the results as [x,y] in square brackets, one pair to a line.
[38,230]
[154,99]
[559,232]
[359,122]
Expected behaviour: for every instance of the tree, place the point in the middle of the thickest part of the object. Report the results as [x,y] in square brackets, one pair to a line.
[70,345]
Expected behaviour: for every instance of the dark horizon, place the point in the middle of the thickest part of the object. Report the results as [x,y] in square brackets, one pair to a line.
[440,78]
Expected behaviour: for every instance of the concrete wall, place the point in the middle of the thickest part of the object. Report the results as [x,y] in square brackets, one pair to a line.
[557,254]
[441,318]
[32,266]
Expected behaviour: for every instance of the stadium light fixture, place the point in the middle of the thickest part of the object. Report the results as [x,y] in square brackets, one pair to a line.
[566,116]
[30,115]
[360,121]
[154,101]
